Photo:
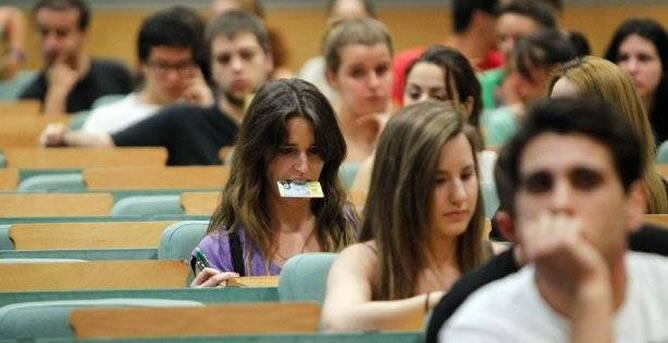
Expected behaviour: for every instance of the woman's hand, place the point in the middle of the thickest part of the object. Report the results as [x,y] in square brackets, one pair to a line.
[210,277]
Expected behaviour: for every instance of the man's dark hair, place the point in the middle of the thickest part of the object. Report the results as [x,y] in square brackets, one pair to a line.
[544,49]
[62,5]
[538,11]
[235,22]
[174,27]
[582,116]
[462,12]
[557,5]
[579,42]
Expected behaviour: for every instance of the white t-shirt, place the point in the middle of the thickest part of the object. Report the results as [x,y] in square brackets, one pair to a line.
[512,309]
[118,115]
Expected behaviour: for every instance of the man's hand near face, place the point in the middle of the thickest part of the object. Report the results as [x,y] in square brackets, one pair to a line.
[197,92]
[61,76]
[571,274]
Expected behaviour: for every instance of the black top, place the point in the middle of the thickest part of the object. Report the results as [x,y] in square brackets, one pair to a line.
[658,116]
[104,77]
[193,135]
[649,239]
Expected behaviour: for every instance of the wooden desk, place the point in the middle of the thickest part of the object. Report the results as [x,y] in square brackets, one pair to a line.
[130,178]
[54,158]
[231,319]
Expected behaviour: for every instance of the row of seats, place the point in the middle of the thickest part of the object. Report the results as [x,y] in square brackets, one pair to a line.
[22,205]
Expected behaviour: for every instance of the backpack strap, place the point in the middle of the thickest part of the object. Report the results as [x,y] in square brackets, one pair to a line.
[237,253]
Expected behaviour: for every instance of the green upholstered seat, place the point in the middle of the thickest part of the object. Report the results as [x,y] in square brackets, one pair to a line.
[51,318]
[179,239]
[304,277]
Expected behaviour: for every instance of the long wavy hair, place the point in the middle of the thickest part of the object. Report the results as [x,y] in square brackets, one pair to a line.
[396,211]
[262,132]
[602,79]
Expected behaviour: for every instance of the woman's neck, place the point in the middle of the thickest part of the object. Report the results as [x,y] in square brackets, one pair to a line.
[289,215]
[293,225]
[441,250]
[440,266]
[360,132]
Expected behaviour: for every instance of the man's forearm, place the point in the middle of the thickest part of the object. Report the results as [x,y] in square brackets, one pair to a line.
[592,316]
[55,101]
[90,140]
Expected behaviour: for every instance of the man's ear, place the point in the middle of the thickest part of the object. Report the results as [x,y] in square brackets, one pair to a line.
[269,62]
[331,79]
[506,226]
[468,106]
[636,205]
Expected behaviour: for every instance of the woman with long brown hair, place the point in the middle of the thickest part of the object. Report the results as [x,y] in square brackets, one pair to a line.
[423,223]
[289,137]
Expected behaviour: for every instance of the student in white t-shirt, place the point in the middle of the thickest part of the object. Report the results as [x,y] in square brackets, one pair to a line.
[169,45]
[575,171]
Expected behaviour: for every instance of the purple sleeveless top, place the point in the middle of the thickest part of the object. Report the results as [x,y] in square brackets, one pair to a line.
[216,248]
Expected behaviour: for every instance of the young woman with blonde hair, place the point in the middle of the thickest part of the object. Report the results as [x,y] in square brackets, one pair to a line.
[423,223]
[597,77]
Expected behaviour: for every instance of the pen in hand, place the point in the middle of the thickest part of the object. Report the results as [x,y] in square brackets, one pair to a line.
[200,261]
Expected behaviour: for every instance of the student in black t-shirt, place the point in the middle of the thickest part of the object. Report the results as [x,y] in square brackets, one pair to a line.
[71,81]
[240,64]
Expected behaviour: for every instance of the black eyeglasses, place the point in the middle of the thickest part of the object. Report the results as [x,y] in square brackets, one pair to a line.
[164,68]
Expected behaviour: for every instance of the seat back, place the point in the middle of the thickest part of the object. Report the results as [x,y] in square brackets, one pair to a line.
[43,319]
[52,182]
[304,277]
[145,205]
[347,173]
[11,90]
[490,198]
[662,153]
[180,239]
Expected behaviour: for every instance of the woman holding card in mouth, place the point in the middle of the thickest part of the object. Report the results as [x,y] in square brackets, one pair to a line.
[283,197]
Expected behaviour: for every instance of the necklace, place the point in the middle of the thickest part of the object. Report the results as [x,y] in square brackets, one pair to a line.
[442,278]
[284,259]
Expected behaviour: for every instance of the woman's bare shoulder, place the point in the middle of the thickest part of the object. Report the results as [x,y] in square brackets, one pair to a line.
[360,254]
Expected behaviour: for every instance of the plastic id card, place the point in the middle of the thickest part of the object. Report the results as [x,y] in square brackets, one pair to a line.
[296,189]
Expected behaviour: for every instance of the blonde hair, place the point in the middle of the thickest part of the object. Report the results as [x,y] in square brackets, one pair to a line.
[597,77]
